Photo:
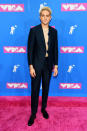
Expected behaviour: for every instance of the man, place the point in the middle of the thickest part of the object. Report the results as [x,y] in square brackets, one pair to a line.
[42,56]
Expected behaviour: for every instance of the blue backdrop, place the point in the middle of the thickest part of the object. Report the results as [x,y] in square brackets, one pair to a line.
[70,19]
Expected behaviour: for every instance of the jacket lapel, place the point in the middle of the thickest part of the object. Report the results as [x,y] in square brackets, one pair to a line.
[49,37]
[43,39]
[42,36]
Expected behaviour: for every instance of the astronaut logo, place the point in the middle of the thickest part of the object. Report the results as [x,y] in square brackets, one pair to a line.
[13,29]
[72,28]
[15,68]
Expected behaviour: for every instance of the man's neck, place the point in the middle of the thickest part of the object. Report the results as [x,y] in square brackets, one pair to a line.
[44,26]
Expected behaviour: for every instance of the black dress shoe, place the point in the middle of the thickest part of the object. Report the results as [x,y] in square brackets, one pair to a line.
[31,120]
[45,114]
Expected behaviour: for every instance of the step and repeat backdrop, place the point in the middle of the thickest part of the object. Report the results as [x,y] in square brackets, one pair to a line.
[70,19]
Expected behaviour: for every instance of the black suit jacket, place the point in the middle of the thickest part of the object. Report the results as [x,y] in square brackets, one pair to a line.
[37,49]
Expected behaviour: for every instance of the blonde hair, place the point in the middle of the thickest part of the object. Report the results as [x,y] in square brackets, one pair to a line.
[45,8]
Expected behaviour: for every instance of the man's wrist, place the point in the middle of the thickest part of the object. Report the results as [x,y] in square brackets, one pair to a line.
[56,66]
[31,67]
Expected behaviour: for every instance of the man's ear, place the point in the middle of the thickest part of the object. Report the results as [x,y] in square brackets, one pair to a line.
[51,17]
[39,17]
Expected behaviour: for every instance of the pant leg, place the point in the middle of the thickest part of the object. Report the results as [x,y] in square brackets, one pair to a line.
[46,76]
[35,87]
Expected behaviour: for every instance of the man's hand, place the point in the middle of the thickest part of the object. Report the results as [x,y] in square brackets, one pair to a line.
[32,71]
[55,70]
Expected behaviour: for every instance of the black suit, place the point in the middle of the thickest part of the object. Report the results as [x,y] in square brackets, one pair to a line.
[42,65]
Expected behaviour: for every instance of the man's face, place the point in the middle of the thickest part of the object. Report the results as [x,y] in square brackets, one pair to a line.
[45,17]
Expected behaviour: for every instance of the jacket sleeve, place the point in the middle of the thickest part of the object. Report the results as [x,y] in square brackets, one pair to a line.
[56,49]
[30,48]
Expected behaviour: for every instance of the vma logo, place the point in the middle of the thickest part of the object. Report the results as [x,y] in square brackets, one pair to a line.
[70,85]
[13,49]
[71,49]
[74,7]
[11,7]
[17,85]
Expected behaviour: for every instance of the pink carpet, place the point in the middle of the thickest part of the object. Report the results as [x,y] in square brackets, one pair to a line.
[66,114]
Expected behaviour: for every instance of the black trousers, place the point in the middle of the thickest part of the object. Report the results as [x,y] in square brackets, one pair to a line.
[45,74]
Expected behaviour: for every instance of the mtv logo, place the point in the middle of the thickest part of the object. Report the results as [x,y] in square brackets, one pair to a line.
[11,7]
[70,85]
[14,49]
[17,85]
[71,49]
[74,7]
